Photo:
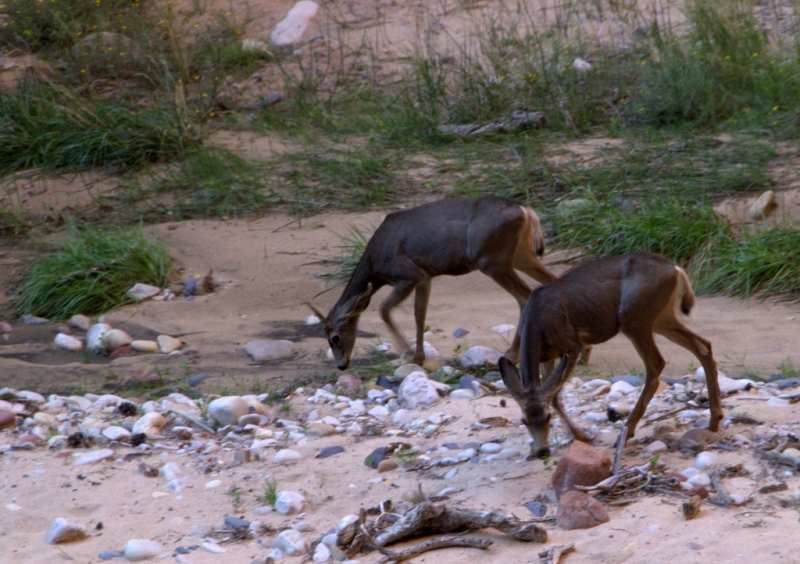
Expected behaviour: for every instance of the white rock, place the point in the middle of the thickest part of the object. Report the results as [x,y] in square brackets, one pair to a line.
[402,416]
[80,322]
[736,499]
[580,66]
[706,460]
[467,454]
[379,412]
[143,291]
[729,385]
[777,402]
[507,453]
[763,206]
[699,480]
[171,471]
[94,456]
[622,387]
[417,391]
[212,547]
[656,447]
[290,542]
[62,530]
[479,356]
[504,328]
[700,375]
[150,424]
[291,28]
[289,502]
[167,344]
[689,472]
[144,346]
[345,521]
[141,549]
[68,342]
[270,349]
[228,409]
[405,369]
[462,393]
[116,433]
[213,484]
[430,352]
[322,553]
[592,384]
[286,455]
[116,338]
[104,401]
[95,337]
[313,320]
[490,448]
[596,417]
[688,414]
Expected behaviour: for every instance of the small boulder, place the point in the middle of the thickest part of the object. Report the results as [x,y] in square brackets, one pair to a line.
[289,503]
[150,424]
[290,542]
[763,207]
[349,383]
[116,338]
[167,344]
[144,346]
[417,391]
[286,455]
[141,549]
[270,349]
[95,337]
[228,409]
[582,465]
[577,510]
[143,291]
[480,356]
[291,28]
[386,465]
[62,530]
[80,322]
[68,342]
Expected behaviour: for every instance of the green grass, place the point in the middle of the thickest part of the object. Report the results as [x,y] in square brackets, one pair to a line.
[91,273]
[351,247]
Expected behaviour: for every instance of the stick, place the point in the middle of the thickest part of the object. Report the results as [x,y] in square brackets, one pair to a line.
[553,554]
[434,544]
[193,421]
[620,445]
[721,494]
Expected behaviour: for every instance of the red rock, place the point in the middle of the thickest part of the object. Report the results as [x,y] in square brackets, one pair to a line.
[349,383]
[5,327]
[700,491]
[578,510]
[122,351]
[29,438]
[7,419]
[583,465]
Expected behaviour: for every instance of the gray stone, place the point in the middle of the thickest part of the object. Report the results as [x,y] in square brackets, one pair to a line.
[417,391]
[33,320]
[141,549]
[290,542]
[269,349]
[634,381]
[289,502]
[116,433]
[759,413]
[480,356]
[405,369]
[62,530]
[462,394]
[95,337]
[460,332]
[195,380]
[80,322]
[656,447]
[141,292]
[537,508]
[330,451]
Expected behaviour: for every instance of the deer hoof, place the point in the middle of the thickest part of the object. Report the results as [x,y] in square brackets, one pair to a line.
[585,436]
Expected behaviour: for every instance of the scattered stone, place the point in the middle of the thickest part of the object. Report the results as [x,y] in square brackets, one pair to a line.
[387,465]
[95,337]
[460,332]
[375,457]
[502,328]
[480,356]
[706,460]
[68,342]
[212,547]
[143,291]
[349,383]
[577,510]
[428,349]
[777,402]
[697,437]
[462,393]
[582,465]
[286,455]
[322,553]
[5,328]
[656,447]
[249,419]
[167,344]
[150,424]
[330,451]
[80,321]
[62,530]
[405,369]
[763,207]
[227,410]
[634,381]
[291,28]
[290,542]
[537,508]
[788,383]
[7,419]
[580,66]
[729,386]
[141,549]
[758,413]
[116,338]
[417,391]
[117,433]
[33,320]
[270,349]
[317,429]
[144,346]
[195,380]
[622,387]
[490,448]
[94,456]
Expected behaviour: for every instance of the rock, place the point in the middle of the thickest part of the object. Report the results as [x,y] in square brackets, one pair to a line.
[634,381]
[291,28]
[580,66]
[700,479]
[375,457]
[728,386]
[80,322]
[763,207]
[144,346]
[405,369]
[491,448]
[316,429]
[122,351]
[270,349]
[141,549]
[228,409]
[313,320]
[62,530]
[143,291]
[167,344]
[345,522]
[94,456]
[116,338]
[537,508]
[480,356]
[759,413]
[699,436]
[349,383]
[7,419]
[502,329]
[286,455]
[195,380]
[249,419]
[150,424]
[428,349]
[622,387]
[117,433]
[330,451]
[95,337]
[777,402]
[417,391]
[212,547]
[577,510]
[582,465]
[5,328]
[656,447]
[387,465]
[706,460]
[431,364]
[33,320]
[322,553]
[788,383]
[462,393]
[507,453]
[460,332]
[290,542]
[68,342]
[289,502]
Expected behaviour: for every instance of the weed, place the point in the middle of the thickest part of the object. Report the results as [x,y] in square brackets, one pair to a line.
[787,369]
[235,493]
[286,407]
[406,456]
[351,248]
[91,273]
[450,378]
[270,495]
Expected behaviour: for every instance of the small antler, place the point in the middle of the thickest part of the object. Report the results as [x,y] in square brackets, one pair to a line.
[317,312]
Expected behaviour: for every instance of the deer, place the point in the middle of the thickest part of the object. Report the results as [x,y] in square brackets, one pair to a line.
[454,237]
[635,294]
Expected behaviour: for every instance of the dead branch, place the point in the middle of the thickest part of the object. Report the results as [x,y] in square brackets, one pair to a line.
[430,519]
[691,507]
[778,457]
[721,495]
[553,554]
[623,433]
[434,544]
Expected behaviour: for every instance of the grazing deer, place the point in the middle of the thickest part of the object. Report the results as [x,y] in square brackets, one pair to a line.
[634,294]
[491,234]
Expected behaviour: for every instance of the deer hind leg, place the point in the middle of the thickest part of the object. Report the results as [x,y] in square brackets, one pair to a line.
[654,364]
[577,432]
[399,293]
[423,294]
[514,285]
[699,347]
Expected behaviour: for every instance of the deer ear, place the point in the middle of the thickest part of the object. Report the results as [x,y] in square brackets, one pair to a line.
[512,379]
[317,312]
[359,303]
[553,382]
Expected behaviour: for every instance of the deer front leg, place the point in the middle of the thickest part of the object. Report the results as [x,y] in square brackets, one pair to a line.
[399,293]
[423,294]
[577,432]
[654,364]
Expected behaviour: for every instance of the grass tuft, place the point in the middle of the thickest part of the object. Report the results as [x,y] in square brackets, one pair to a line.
[91,273]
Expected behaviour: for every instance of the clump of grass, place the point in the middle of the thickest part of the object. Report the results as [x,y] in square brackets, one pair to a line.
[762,263]
[91,273]
[270,492]
[668,226]
[352,246]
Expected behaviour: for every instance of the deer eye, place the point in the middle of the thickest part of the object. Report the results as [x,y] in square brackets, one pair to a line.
[335,339]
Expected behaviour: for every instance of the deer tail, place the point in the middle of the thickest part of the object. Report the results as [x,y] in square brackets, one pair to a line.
[536,232]
[687,301]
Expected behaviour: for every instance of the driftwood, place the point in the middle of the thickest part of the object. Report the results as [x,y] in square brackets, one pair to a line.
[721,495]
[691,507]
[553,554]
[433,544]
[431,519]
[623,434]
[778,457]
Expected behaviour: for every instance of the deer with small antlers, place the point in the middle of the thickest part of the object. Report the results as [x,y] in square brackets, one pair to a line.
[634,294]
[491,234]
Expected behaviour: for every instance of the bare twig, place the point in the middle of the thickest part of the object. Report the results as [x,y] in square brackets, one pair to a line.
[721,494]
[553,554]
[623,434]
[193,421]
[434,544]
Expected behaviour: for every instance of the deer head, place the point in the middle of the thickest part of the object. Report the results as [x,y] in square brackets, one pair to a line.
[534,402]
[341,325]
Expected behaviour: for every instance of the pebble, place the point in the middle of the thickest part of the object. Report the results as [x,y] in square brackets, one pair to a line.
[167,344]
[7,419]
[322,553]
[5,328]
[706,460]
[304,527]
[537,508]
[405,369]
[699,479]
[213,484]
[144,346]
[212,547]
[141,292]
[270,349]
[596,417]
[509,453]
[227,410]
[32,320]
[345,521]
[462,393]
[480,356]
[656,447]
[263,510]
[116,433]
[116,338]
[80,321]
[451,474]
[292,27]
[763,206]
[289,503]
[502,328]
[286,455]
[387,465]
[622,387]
[290,542]
[467,454]
[490,448]
[150,424]
[109,554]
[62,530]
[68,342]
[417,391]
[95,337]
[777,402]
[141,549]
[94,456]
[330,451]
